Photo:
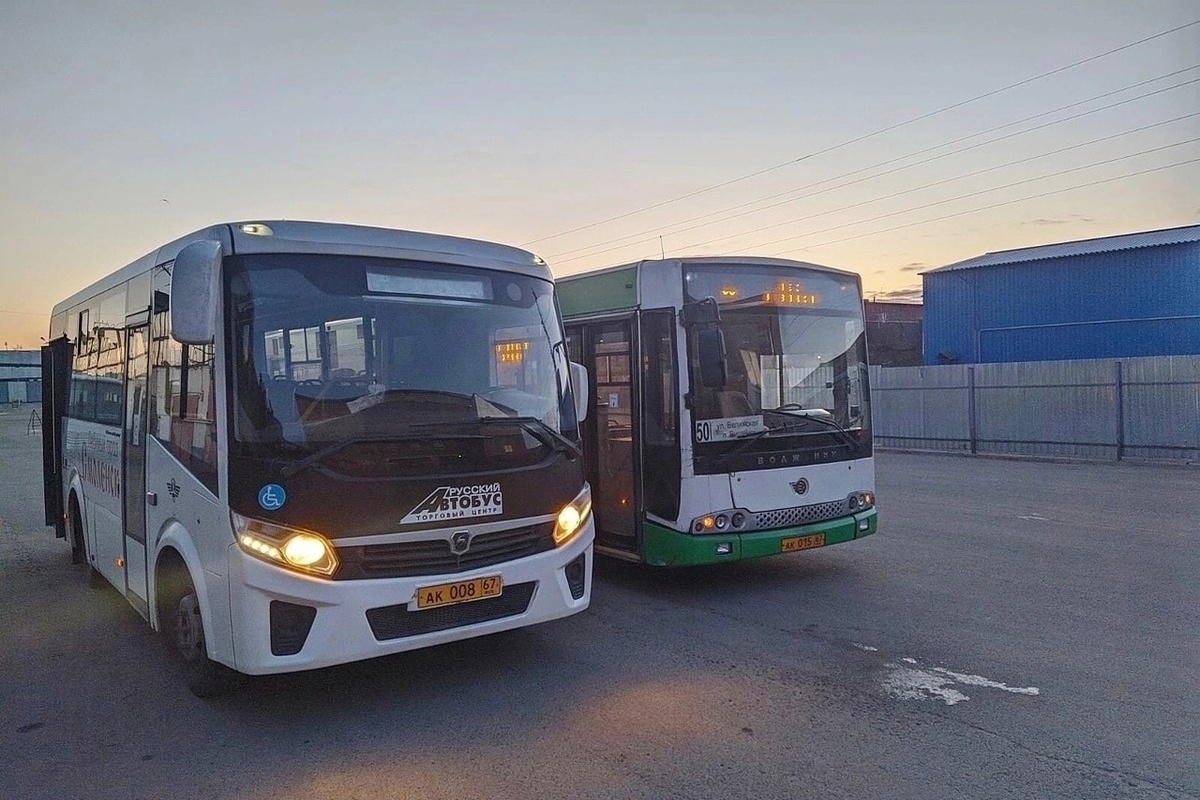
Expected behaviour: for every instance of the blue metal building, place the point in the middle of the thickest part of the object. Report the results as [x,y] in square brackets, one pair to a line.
[1118,296]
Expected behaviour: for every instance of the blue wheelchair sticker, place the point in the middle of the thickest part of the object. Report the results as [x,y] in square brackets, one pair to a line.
[272,497]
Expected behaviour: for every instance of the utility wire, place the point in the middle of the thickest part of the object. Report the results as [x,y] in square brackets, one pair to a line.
[949,200]
[902,192]
[557,257]
[993,206]
[887,129]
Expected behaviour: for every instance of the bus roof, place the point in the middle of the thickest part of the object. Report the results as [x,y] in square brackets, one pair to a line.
[622,287]
[292,236]
[700,260]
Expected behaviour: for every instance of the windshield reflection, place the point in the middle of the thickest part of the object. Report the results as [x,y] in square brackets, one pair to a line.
[360,351]
[796,351]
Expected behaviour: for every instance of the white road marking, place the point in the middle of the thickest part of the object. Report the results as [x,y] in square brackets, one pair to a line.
[866,647]
[938,683]
[1035,517]
[979,680]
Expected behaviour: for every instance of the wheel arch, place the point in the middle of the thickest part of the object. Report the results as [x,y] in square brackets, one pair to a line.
[74,502]
[175,556]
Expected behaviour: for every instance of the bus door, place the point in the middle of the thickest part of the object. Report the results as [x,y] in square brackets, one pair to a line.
[609,432]
[137,365]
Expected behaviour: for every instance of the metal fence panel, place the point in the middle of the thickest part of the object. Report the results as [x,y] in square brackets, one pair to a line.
[1162,407]
[1051,407]
[925,408]
[1103,408]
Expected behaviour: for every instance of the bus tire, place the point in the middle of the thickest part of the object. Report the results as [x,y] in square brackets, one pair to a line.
[205,677]
[79,553]
[75,532]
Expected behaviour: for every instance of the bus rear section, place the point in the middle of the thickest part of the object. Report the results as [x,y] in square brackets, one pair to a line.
[366,444]
[730,415]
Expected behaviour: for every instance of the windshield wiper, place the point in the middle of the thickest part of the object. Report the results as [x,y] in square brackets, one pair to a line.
[543,432]
[318,456]
[751,438]
[794,410]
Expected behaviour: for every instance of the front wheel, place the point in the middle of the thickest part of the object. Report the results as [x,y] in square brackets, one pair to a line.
[205,677]
[79,553]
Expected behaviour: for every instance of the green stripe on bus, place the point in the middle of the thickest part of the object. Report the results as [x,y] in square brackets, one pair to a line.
[663,547]
[606,291]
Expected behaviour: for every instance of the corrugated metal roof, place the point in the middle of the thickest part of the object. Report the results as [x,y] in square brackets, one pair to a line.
[1104,244]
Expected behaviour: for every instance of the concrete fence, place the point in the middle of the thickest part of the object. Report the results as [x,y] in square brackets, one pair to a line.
[1111,409]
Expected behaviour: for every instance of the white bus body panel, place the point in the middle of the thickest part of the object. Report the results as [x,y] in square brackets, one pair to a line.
[770,489]
[700,494]
[660,288]
[188,518]
[93,454]
[341,632]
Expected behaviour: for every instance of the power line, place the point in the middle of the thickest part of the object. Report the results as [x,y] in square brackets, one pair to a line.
[878,132]
[26,313]
[993,206]
[1018,162]
[1058,174]
[558,257]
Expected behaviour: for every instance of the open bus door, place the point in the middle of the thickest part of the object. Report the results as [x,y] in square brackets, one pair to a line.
[56,375]
[606,350]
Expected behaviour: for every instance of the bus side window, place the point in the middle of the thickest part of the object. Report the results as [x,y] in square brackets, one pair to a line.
[82,405]
[182,394]
[82,402]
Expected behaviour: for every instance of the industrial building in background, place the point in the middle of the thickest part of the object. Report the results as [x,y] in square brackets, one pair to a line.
[893,333]
[1136,294]
[20,376]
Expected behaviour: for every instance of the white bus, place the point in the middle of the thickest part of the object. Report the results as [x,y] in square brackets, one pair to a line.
[295,444]
[730,412]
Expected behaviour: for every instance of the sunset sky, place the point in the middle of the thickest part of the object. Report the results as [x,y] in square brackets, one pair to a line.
[124,125]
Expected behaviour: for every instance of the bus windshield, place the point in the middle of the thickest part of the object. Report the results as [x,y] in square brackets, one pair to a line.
[334,351]
[795,348]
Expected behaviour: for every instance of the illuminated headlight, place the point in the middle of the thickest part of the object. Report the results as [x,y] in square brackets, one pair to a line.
[860,501]
[304,551]
[574,514]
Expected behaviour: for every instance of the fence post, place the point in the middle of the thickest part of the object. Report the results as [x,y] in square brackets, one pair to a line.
[971,408]
[1119,382]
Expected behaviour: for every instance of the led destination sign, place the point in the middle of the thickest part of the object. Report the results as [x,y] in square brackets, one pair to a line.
[789,293]
[750,286]
[784,293]
[511,352]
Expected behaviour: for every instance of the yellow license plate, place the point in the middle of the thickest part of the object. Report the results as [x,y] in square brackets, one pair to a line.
[447,594]
[803,542]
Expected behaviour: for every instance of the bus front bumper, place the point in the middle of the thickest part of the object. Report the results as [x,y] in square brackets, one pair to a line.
[275,610]
[664,547]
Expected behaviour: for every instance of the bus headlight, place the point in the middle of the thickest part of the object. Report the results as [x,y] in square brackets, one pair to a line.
[860,501]
[573,515]
[303,551]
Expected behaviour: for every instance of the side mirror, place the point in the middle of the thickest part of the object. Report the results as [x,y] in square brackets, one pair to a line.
[579,385]
[714,371]
[195,284]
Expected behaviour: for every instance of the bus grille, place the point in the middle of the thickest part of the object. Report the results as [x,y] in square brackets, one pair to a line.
[801,515]
[397,622]
[434,557]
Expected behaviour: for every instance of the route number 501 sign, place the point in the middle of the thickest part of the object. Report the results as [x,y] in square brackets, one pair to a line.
[722,430]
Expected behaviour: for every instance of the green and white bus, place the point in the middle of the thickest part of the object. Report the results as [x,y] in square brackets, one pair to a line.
[296,444]
[730,411]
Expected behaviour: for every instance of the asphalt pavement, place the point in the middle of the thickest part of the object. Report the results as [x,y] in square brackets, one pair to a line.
[1016,630]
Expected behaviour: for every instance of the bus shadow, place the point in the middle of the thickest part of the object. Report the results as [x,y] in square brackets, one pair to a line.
[810,571]
[417,675]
